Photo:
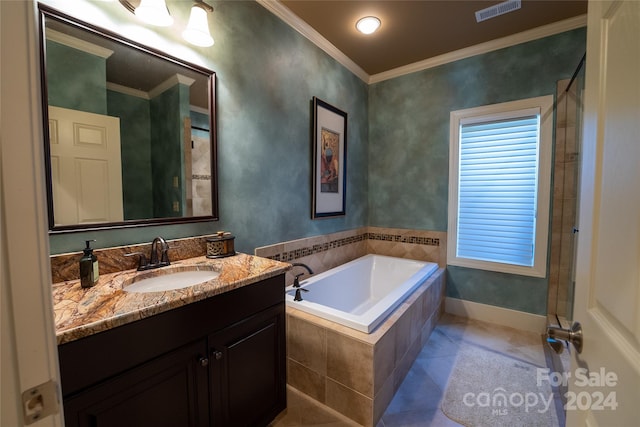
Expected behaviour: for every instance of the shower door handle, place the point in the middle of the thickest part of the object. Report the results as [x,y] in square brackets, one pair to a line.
[572,335]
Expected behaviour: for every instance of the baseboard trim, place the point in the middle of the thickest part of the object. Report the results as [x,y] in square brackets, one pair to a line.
[492,314]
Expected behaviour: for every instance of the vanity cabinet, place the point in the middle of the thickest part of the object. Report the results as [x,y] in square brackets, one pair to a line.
[170,390]
[217,362]
[247,371]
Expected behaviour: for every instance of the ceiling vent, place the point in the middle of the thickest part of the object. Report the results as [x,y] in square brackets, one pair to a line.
[497,10]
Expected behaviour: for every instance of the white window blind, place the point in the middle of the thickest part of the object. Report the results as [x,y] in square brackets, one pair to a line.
[499,186]
[497,190]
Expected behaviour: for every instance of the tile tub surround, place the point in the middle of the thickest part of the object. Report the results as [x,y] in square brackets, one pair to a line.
[325,252]
[64,267]
[354,373]
[418,400]
[81,312]
[421,245]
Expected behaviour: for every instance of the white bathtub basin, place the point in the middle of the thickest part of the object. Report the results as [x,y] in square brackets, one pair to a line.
[362,293]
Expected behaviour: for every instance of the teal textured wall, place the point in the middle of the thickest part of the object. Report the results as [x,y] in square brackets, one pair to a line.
[87,91]
[168,110]
[267,74]
[151,135]
[409,146]
[135,151]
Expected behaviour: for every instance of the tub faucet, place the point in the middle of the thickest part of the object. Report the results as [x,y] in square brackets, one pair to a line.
[296,280]
[298,296]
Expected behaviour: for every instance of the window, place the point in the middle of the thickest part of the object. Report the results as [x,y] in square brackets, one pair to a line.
[499,186]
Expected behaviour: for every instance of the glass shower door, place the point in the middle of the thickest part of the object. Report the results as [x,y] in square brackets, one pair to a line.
[571,184]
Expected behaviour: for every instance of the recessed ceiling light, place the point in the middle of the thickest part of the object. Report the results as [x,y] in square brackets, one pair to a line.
[368,24]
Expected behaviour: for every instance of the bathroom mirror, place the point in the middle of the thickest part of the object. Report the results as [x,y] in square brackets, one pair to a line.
[130,132]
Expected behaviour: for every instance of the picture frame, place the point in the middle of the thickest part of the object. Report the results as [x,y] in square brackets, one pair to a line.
[329,160]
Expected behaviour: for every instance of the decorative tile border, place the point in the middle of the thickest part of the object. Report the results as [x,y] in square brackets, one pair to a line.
[429,241]
[288,256]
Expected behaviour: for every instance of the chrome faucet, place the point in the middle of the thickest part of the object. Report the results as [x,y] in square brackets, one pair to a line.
[296,280]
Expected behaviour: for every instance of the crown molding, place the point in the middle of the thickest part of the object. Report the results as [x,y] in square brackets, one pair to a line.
[512,40]
[282,12]
[199,109]
[78,44]
[168,83]
[128,91]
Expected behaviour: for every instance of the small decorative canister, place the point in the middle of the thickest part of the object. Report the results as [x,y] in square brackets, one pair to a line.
[220,245]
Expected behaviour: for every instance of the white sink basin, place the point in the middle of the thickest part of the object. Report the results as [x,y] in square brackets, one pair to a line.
[171,281]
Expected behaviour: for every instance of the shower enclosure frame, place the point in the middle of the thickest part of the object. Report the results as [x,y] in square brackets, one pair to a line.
[564,234]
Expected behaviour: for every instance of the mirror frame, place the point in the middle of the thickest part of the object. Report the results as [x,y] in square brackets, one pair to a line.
[48,12]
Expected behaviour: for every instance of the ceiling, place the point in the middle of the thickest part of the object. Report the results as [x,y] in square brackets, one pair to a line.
[417,30]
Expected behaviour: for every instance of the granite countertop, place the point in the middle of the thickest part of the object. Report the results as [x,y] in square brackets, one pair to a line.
[82,312]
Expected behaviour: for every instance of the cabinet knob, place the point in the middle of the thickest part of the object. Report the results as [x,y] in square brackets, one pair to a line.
[217,354]
[204,361]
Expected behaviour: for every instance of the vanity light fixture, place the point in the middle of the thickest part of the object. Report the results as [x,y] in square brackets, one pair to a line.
[197,31]
[368,24]
[155,12]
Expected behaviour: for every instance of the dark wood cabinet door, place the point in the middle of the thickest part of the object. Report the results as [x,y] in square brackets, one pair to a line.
[248,377]
[169,391]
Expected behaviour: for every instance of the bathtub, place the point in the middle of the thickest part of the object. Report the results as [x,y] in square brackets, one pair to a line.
[362,293]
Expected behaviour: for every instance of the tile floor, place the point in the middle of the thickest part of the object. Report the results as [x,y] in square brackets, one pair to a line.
[418,400]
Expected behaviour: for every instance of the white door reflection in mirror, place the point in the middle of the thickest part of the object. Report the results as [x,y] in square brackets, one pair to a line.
[85,166]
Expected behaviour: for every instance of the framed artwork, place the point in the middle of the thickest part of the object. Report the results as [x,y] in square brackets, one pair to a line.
[329,160]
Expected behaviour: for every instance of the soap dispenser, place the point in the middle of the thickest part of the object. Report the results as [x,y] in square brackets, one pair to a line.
[89,271]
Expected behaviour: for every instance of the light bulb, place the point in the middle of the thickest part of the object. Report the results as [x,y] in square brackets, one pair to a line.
[197,31]
[154,12]
[368,24]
